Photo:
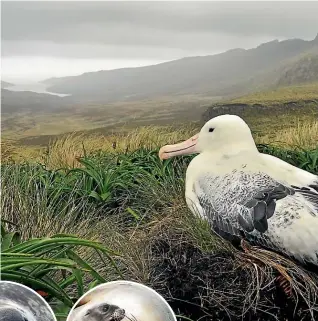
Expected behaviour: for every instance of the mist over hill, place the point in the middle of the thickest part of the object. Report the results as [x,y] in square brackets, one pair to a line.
[174,91]
[226,74]
[5,84]
[28,101]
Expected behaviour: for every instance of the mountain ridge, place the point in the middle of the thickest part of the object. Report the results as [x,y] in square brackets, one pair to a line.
[220,74]
[5,84]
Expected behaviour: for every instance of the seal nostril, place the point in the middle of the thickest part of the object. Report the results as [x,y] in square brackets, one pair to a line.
[119,314]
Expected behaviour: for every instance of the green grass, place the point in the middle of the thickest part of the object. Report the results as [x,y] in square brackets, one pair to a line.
[306,92]
[36,261]
[127,207]
[52,265]
[106,117]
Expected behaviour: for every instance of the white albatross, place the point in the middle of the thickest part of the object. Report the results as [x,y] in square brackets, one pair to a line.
[245,194]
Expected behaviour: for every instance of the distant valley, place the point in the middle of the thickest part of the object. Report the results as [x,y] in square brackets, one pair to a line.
[234,72]
[164,93]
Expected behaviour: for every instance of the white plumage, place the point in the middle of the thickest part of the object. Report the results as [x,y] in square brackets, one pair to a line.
[245,194]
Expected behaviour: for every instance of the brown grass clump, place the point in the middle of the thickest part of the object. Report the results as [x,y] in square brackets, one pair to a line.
[64,152]
[7,150]
[304,135]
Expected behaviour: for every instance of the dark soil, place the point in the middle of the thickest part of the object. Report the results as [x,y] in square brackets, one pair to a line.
[204,286]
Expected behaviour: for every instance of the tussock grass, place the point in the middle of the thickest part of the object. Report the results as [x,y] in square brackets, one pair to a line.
[133,203]
[301,136]
[64,152]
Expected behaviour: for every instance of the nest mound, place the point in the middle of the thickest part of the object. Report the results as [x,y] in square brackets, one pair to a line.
[227,285]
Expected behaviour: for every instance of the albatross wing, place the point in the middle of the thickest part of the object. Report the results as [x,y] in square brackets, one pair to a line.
[248,204]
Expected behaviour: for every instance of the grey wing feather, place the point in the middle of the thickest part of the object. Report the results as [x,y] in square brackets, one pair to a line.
[310,193]
[263,204]
[243,210]
[224,228]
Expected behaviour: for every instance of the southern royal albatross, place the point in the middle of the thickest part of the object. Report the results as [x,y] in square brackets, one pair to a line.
[248,195]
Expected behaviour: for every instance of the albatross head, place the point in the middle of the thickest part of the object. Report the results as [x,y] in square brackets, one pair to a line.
[223,132]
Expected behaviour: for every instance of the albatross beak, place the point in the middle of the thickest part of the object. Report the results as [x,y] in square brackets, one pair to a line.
[185,148]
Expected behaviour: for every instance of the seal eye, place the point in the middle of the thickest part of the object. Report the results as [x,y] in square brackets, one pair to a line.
[211,130]
[105,308]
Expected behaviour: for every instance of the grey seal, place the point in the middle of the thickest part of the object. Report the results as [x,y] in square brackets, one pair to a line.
[11,314]
[139,302]
[104,312]
[20,303]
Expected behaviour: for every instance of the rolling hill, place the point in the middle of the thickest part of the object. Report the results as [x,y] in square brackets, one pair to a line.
[299,101]
[304,70]
[5,84]
[17,101]
[234,72]
[167,93]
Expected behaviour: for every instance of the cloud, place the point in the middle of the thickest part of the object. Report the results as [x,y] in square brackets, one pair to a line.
[23,69]
[119,34]
[155,23]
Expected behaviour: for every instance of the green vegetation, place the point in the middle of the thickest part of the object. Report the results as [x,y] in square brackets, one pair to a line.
[97,205]
[51,265]
[105,207]
[127,206]
[305,92]
[106,117]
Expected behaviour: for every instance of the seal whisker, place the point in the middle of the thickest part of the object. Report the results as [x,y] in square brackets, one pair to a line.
[131,319]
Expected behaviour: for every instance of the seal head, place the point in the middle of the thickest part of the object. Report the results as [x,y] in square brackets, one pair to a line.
[11,314]
[104,312]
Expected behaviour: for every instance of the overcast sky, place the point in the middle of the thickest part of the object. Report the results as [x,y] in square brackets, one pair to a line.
[45,39]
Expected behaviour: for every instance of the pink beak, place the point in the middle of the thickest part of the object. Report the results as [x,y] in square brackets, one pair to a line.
[185,148]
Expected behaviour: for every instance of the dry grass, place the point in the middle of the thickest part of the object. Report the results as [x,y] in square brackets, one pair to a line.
[281,95]
[303,135]
[63,152]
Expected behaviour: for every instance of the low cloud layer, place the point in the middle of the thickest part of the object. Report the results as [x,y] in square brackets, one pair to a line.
[147,31]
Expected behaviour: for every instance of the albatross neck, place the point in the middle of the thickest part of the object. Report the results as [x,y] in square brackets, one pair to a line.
[234,148]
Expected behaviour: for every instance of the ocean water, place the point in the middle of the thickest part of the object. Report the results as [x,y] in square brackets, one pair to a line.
[34,87]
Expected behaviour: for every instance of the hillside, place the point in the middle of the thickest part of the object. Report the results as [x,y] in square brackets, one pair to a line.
[57,118]
[17,101]
[268,111]
[304,70]
[167,93]
[5,84]
[221,74]
[272,111]
[289,99]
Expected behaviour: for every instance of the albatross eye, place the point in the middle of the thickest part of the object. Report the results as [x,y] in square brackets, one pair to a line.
[211,130]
